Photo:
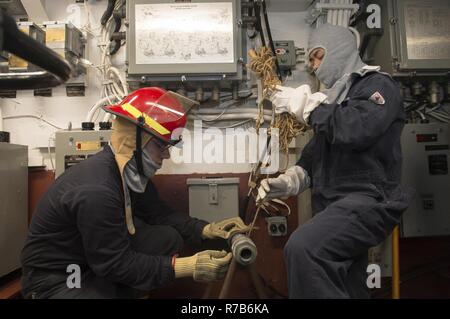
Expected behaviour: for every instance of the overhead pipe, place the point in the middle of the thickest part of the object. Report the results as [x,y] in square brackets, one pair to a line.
[56,70]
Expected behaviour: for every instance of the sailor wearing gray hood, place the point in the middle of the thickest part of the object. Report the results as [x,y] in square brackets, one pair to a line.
[352,165]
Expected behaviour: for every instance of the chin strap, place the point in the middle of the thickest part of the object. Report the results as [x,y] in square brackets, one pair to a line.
[138,152]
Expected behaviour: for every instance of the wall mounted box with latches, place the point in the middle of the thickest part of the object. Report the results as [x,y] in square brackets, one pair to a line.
[213,199]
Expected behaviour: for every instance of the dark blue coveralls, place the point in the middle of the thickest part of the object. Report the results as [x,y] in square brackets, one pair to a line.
[354,161]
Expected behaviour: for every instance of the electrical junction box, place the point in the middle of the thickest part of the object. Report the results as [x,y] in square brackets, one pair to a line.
[286,54]
[425,168]
[213,199]
[69,42]
[169,42]
[73,147]
[414,38]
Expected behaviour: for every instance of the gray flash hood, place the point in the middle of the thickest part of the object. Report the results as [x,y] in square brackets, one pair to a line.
[341,63]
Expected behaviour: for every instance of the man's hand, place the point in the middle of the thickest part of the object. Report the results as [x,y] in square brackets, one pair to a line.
[300,101]
[291,183]
[207,265]
[225,229]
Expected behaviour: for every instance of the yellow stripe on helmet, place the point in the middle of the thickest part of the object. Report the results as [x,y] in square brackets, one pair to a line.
[148,120]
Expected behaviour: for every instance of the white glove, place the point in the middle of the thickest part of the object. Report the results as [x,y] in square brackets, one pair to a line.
[300,101]
[294,181]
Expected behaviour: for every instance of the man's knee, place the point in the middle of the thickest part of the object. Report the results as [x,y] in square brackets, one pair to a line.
[298,246]
[157,240]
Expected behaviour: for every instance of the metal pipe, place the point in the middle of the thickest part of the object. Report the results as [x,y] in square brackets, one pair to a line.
[417,89]
[340,14]
[28,80]
[235,92]
[329,16]
[434,93]
[335,13]
[244,252]
[243,249]
[215,95]
[1,117]
[199,94]
[395,264]
[27,48]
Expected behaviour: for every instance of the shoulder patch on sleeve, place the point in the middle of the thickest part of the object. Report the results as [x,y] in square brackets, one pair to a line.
[377,98]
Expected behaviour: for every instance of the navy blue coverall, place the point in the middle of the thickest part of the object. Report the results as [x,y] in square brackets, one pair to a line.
[354,161]
[80,220]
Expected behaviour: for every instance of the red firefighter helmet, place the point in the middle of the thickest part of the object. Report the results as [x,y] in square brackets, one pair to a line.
[155,110]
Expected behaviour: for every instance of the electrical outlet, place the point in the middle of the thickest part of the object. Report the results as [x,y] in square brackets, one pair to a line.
[277,226]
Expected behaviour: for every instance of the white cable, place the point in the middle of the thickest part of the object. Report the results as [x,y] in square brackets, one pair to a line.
[357,36]
[226,117]
[34,117]
[421,115]
[96,106]
[116,71]
[228,126]
[440,114]
[438,117]
[107,117]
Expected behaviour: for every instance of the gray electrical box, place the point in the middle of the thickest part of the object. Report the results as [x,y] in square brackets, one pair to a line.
[425,168]
[73,147]
[415,37]
[213,199]
[13,205]
[286,54]
[69,42]
[182,41]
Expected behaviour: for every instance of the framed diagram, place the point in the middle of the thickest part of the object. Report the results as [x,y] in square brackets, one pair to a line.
[198,37]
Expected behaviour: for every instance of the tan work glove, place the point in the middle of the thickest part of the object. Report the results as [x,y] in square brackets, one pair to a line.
[207,265]
[225,228]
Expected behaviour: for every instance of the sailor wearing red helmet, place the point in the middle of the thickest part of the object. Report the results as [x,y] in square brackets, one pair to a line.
[104,215]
